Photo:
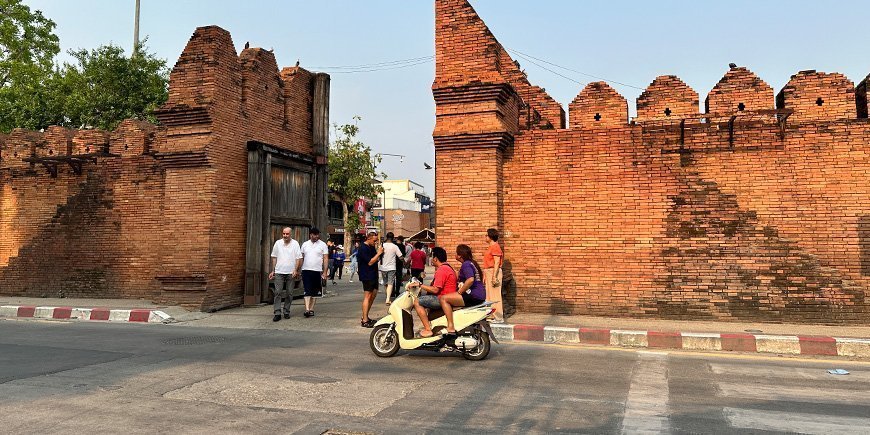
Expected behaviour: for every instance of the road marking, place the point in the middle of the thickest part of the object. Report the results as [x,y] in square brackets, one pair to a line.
[783,393]
[684,353]
[795,422]
[646,408]
[787,373]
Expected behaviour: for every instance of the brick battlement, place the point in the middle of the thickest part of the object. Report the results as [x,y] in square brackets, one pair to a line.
[757,208]
[153,211]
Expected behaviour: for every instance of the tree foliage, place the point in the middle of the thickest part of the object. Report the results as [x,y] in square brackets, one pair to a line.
[352,168]
[104,86]
[100,88]
[27,50]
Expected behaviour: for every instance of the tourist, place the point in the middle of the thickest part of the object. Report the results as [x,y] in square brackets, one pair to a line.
[471,290]
[286,263]
[443,283]
[315,259]
[391,253]
[351,269]
[368,256]
[337,263]
[492,274]
[418,261]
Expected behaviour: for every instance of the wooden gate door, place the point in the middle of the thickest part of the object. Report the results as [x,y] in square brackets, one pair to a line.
[281,193]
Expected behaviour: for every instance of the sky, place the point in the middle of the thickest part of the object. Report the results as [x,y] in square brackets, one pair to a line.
[629,42]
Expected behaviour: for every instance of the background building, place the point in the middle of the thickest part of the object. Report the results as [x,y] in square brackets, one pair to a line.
[403,209]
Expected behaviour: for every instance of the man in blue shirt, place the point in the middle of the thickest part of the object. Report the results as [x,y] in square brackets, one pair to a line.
[367,257]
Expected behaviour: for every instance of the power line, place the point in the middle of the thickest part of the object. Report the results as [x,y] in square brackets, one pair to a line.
[378,64]
[548,69]
[530,57]
[386,68]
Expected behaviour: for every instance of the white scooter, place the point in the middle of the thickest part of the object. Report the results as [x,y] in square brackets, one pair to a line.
[396,330]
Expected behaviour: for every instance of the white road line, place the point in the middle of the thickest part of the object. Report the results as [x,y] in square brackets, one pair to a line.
[646,409]
[795,422]
[783,393]
[768,372]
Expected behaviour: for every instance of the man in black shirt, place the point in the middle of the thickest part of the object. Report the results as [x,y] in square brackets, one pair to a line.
[367,257]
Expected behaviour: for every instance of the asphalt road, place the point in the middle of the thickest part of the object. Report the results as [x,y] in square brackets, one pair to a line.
[60,377]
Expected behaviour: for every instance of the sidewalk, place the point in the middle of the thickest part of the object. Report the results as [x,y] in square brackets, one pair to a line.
[341,312]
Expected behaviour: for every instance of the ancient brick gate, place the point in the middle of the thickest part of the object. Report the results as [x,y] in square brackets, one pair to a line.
[160,212]
[756,209]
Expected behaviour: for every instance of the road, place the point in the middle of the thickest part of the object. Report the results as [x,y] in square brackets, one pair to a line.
[60,377]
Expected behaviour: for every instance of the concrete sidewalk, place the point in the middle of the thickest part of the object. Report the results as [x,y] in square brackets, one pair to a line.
[341,311]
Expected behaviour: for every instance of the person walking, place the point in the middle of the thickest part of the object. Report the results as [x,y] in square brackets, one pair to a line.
[418,261]
[337,263]
[286,263]
[492,263]
[391,253]
[368,256]
[315,259]
[400,267]
[351,269]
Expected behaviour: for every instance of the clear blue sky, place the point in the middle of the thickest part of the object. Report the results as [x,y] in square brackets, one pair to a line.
[628,41]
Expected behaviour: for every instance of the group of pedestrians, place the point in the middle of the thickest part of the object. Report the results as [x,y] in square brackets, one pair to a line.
[385,264]
[292,264]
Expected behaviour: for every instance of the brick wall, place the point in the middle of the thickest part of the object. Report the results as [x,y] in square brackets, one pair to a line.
[145,211]
[752,214]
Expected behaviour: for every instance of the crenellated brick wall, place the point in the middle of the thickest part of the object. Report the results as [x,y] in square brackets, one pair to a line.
[757,209]
[151,211]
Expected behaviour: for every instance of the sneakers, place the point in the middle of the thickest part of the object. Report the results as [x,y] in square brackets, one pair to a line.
[286,315]
[497,321]
[333,283]
[276,318]
[350,281]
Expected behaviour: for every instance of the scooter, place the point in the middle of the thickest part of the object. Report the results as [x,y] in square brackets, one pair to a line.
[396,330]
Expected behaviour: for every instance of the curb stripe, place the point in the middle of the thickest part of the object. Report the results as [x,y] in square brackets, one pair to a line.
[140,315]
[529,332]
[595,336]
[62,313]
[738,342]
[664,340]
[99,314]
[818,345]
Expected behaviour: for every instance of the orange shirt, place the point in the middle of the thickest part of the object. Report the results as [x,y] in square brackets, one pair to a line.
[494,250]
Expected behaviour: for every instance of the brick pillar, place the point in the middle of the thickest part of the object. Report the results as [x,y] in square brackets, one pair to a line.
[472,133]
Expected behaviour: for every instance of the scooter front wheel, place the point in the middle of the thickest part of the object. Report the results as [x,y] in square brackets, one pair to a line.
[384,341]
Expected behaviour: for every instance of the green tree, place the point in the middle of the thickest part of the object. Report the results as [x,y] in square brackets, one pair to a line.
[105,87]
[352,168]
[28,46]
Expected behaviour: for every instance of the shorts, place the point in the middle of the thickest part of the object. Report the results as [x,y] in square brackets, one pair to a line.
[416,273]
[470,300]
[389,277]
[429,301]
[370,285]
[311,280]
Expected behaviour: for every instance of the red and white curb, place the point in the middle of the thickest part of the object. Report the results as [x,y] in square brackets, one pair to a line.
[704,341]
[70,313]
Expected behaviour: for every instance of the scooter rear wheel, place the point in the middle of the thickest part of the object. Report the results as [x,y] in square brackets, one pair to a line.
[480,351]
[384,341]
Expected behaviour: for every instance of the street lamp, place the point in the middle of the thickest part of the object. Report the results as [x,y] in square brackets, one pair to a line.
[384,200]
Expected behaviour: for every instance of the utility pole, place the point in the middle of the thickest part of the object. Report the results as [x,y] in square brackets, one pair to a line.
[136,30]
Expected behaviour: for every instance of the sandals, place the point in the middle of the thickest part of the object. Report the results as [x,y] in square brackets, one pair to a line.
[370,323]
[308,314]
[421,333]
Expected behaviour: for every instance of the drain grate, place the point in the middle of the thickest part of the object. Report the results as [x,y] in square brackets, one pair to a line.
[188,341]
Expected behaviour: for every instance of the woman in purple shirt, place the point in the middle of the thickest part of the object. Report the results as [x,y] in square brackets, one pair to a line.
[471,289]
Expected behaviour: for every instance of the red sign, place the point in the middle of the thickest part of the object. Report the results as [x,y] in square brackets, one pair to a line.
[360,207]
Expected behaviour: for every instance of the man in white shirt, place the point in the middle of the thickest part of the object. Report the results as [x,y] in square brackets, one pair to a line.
[286,262]
[315,259]
[388,264]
